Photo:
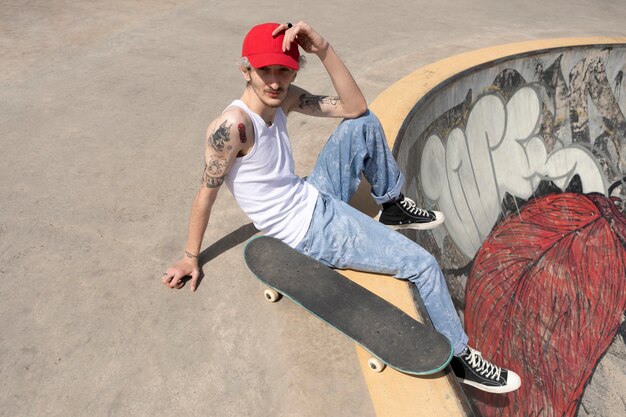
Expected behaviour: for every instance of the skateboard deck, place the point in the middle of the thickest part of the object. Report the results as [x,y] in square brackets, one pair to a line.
[387,332]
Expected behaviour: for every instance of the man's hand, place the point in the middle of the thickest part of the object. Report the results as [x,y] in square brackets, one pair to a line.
[349,101]
[225,139]
[174,276]
[310,41]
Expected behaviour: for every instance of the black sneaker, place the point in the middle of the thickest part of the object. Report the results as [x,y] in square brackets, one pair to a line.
[472,369]
[403,213]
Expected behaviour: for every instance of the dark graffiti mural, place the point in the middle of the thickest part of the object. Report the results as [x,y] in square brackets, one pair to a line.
[528,166]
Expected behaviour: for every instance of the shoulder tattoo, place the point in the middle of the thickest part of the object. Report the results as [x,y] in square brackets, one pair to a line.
[219,137]
[242,132]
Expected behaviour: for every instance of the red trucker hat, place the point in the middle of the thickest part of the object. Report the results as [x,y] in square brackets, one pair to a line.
[262,49]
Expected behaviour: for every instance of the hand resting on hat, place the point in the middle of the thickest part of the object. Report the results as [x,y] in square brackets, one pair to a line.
[308,39]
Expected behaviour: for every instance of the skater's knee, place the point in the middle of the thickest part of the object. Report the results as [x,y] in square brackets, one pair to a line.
[367,119]
[425,271]
[430,262]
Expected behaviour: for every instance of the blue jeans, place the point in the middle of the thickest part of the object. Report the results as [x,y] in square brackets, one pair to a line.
[342,237]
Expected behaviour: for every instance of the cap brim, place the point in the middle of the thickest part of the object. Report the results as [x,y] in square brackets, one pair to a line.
[273,58]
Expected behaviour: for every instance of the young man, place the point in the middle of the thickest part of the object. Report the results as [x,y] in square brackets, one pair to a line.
[247,148]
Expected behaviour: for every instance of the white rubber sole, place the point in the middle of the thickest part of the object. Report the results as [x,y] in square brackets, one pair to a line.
[513,383]
[439,219]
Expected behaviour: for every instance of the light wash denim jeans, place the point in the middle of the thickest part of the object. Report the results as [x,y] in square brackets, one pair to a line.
[343,237]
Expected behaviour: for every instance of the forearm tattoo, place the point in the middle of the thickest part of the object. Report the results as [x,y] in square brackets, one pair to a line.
[314,103]
[219,137]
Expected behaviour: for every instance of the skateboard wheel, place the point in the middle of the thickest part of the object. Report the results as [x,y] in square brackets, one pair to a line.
[376,364]
[271,295]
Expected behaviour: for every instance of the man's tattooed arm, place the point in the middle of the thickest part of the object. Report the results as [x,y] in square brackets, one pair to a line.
[221,151]
[318,104]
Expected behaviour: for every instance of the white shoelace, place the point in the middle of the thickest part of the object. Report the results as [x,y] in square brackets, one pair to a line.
[485,368]
[410,206]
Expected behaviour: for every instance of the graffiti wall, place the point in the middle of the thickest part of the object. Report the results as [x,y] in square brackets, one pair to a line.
[526,157]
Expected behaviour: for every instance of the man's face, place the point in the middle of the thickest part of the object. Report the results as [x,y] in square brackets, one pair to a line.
[271,83]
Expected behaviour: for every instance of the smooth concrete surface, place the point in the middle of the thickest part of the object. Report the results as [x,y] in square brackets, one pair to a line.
[103,107]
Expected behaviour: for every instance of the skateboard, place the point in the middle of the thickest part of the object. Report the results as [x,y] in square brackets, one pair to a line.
[393,337]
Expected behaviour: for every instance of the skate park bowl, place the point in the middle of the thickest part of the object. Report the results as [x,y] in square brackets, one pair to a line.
[523,148]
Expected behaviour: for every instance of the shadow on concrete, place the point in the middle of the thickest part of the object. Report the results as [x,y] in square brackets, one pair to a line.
[226,243]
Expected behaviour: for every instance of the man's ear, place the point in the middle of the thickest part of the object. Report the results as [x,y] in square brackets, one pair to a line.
[246,73]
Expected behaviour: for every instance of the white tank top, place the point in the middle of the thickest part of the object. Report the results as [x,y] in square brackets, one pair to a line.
[279,203]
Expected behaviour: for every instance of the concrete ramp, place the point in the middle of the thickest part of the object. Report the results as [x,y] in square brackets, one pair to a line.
[523,147]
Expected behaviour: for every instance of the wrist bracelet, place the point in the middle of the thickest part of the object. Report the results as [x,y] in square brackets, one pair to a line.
[189,255]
